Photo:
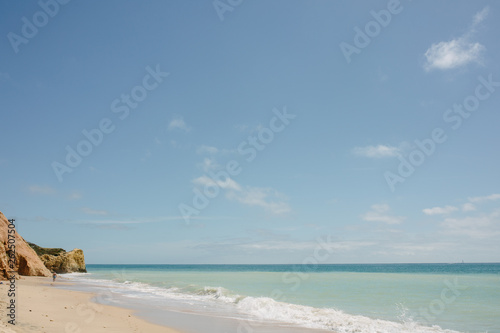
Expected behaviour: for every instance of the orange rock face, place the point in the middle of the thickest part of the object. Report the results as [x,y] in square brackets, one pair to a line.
[26,260]
[68,262]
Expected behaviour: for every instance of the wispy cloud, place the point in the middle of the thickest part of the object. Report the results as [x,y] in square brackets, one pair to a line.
[491,197]
[209,164]
[380,213]
[141,220]
[132,221]
[382,76]
[243,128]
[472,222]
[480,16]
[266,198]
[440,210]
[44,190]
[468,207]
[178,124]
[304,245]
[90,211]
[204,149]
[457,52]
[479,227]
[228,184]
[47,190]
[376,151]
[75,195]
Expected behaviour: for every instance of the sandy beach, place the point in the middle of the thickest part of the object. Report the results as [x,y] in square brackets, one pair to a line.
[41,307]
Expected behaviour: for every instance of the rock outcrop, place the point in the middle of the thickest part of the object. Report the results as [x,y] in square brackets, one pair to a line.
[26,260]
[65,262]
[40,251]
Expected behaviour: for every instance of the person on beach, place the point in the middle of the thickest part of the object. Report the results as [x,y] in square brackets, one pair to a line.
[54,275]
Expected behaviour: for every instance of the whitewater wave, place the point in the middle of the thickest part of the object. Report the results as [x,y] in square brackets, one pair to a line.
[329,319]
[255,310]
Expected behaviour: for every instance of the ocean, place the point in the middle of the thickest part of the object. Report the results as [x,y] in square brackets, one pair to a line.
[348,298]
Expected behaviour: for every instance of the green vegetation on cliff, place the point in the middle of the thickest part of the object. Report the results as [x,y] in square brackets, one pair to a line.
[43,250]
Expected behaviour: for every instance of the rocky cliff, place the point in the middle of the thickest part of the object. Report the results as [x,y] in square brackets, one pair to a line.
[65,262]
[25,260]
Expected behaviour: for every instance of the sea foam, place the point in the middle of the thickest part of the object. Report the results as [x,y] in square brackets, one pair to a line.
[253,310]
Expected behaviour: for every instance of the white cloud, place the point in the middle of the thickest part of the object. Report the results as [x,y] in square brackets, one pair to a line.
[305,245]
[149,219]
[74,196]
[480,16]
[379,213]
[491,197]
[468,207]
[209,164]
[228,184]
[479,227]
[267,198]
[376,151]
[248,129]
[35,189]
[210,150]
[411,249]
[440,210]
[457,52]
[476,226]
[203,149]
[90,211]
[280,245]
[382,76]
[178,123]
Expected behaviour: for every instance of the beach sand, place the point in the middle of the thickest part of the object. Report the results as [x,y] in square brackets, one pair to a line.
[41,307]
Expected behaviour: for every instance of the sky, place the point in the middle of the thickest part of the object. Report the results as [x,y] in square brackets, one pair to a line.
[170,132]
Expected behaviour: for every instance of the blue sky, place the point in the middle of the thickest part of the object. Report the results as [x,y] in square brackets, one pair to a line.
[371,125]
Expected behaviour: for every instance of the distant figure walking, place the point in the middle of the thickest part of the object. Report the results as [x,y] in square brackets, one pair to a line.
[54,275]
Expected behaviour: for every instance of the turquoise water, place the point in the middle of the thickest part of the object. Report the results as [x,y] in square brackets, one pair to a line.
[343,298]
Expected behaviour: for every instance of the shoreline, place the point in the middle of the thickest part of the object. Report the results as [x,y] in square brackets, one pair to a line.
[42,307]
[181,319]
